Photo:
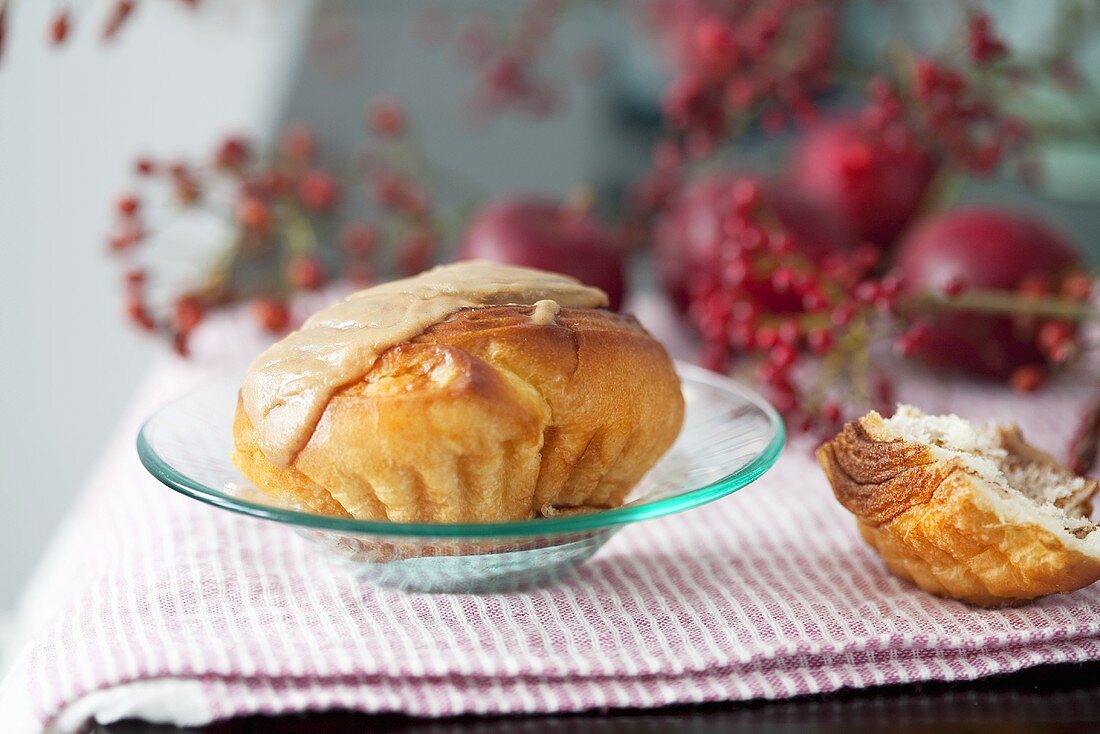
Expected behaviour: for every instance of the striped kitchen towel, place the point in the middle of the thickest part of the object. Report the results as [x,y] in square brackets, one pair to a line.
[169,610]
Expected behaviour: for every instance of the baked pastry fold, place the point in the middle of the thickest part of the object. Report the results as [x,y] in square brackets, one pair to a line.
[970,513]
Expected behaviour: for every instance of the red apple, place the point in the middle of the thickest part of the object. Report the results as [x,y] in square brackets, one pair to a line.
[690,230]
[986,248]
[876,188]
[542,233]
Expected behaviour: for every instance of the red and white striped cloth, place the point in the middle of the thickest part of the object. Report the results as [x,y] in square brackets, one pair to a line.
[170,610]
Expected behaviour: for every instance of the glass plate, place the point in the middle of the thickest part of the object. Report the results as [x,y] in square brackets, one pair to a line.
[730,437]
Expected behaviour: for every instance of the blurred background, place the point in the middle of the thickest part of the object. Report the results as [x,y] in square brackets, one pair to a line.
[161,161]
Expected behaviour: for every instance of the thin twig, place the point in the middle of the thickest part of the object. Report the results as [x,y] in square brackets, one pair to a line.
[1085,443]
[1003,302]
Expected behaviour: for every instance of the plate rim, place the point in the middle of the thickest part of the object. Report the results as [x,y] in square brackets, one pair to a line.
[603,519]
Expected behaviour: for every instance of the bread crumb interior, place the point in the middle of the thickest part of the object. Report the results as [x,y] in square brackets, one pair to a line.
[992,453]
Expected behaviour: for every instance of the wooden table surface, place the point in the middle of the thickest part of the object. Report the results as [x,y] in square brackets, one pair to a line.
[1063,698]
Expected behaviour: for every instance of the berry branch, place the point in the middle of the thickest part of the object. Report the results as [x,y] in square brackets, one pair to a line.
[61,25]
[1069,308]
[284,206]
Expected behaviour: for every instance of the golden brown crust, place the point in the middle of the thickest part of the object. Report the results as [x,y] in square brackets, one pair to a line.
[877,478]
[940,526]
[488,416]
[289,486]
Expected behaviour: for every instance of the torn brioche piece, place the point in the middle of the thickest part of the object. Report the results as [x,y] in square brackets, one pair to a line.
[968,512]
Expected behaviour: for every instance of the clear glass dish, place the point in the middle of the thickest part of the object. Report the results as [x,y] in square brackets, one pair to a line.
[730,437]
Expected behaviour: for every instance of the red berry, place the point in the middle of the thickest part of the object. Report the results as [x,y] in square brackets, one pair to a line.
[815,300]
[394,191]
[181,344]
[925,78]
[740,93]
[804,422]
[717,44]
[144,166]
[750,238]
[820,341]
[711,314]
[1077,286]
[783,278]
[306,273]
[735,272]
[138,313]
[135,278]
[914,338]
[782,244]
[277,183]
[118,16]
[783,355]
[789,332]
[740,334]
[766,337]
[317,190]
[867,292]
[59,28]
[891,286]
[831,411]
[984,46]
[1034,286]
[843,314]
[254,213]
[1055,340]
[188,314]
[130,235]
[1028,378]
[186,189]
[743,311]
[232,154]
[772,374]
[272,314]
[128,205]
[785,401]
[386,117]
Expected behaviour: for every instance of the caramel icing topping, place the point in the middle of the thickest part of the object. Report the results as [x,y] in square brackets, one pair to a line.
[287,388]
[545,312]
